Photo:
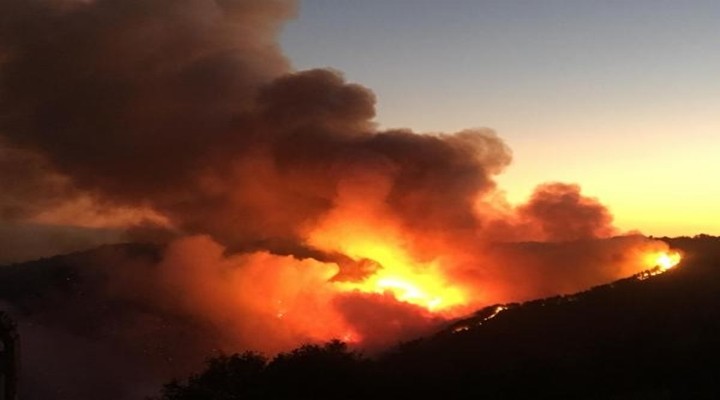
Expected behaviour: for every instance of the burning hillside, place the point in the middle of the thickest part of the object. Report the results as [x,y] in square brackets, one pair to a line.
[290,216]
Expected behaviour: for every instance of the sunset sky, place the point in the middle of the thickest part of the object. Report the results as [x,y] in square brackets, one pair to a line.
[107,112]
[273,173]
[622,97]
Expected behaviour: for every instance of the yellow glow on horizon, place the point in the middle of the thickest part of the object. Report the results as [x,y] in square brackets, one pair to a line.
[659,194]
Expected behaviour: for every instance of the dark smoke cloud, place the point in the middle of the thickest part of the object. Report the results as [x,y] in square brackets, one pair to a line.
[555,212]
[123,95]
[534,270]
[28,184]
[26,241]
[562,213]
[187,107]
[182,119]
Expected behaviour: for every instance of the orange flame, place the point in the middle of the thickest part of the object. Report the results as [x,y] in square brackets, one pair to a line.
[419,283]
[668,260]
[663,260]
[363,233]
[658,262]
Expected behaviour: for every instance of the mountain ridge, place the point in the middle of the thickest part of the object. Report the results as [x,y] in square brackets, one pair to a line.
[608,341]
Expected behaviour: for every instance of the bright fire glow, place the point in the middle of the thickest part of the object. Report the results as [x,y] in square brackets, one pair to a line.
[364,235]
[418,283]
[659,262]
[666,261]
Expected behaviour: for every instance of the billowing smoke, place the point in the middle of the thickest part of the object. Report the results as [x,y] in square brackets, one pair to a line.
[292,217]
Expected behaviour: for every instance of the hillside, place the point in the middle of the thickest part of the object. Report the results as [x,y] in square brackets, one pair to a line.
[635,338]
[83,337]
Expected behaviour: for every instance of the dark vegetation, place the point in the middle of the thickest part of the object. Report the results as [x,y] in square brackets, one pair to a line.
[309,372]
[657,338]
[85,336]
[8,358]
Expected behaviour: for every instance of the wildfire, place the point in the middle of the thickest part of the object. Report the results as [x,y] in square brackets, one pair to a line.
[659,262]
[665,261]
[369,239]
[419,283]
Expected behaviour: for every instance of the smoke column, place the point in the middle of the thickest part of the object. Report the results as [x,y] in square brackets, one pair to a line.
[290,216]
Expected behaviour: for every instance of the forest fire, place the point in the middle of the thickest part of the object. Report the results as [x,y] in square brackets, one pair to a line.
[384,258]
[286,213]
[663,260]
[407,280]
[263,206]
[658,262]
[668,260]
[422,285]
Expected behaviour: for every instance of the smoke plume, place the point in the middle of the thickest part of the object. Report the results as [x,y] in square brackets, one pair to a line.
[291,217]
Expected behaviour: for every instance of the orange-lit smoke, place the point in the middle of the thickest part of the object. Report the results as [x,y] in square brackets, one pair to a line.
[379,292]
[295,219]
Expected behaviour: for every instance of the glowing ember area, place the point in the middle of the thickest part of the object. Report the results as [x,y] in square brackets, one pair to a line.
[663,260]
[493,313]
[422,284]
[383,262]
[659,262]
[666,261]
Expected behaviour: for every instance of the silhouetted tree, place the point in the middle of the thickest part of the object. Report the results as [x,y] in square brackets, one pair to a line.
[312,371]
[9,358]
[330,371]
[226,377]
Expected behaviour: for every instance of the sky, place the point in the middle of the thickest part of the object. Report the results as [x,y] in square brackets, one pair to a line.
[621,97]
[288,210]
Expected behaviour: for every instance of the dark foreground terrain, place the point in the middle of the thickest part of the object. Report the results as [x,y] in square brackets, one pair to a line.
[654,338]
[84,338]
[636,338]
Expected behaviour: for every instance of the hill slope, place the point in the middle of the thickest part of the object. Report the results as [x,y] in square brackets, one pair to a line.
[638,338]
[633,338]
[630,339]
[83,337]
